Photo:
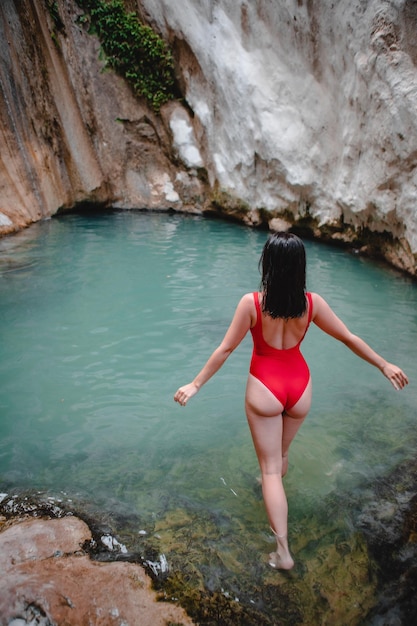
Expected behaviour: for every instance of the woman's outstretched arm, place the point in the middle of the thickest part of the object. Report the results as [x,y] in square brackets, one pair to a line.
[239,326]
[326,319]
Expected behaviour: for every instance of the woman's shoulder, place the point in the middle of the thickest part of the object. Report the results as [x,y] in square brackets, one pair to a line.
[316,297]
[248,303]
[246,308]
[317,301]
[248,299]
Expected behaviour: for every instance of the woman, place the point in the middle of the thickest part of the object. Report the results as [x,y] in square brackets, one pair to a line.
[278,391]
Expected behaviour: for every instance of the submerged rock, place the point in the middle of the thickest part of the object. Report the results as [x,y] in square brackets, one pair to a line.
[389,525]
[55,569]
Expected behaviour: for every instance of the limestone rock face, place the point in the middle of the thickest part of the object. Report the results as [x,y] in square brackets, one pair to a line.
[308,108]
[303,111]
[47,579]
[72,132]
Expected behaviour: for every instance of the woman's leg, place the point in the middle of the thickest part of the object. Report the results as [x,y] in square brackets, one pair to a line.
[270,433]
[292,421]
[264,413]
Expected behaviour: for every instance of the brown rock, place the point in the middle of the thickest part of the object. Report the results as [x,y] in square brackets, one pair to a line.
[45,574]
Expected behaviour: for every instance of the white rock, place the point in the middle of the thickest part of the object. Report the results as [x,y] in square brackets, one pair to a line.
[184,139]
[303,102]
[4,220]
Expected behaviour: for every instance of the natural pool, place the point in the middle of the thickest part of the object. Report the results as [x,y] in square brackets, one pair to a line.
[103,316]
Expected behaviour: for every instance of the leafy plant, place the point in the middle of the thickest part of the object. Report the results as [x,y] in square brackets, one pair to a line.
[133,50]
[52,6]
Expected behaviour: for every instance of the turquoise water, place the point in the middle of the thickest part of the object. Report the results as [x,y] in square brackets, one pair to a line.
[104,316]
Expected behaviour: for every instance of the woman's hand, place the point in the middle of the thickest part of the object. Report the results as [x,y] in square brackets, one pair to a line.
[239,326]
[395,375]
[185,393]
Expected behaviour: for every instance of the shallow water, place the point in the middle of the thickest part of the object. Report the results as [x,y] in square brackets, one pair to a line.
[104,316]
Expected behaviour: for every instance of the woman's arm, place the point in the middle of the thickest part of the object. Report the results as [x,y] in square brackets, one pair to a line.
[325,318]
[239,326]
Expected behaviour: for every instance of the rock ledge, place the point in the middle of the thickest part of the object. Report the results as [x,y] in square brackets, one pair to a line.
[48,578]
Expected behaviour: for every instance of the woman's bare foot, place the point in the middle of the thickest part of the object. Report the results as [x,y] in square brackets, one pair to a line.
[281,559]
[279,562]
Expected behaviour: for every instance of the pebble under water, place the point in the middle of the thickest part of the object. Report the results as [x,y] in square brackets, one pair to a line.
[104,315]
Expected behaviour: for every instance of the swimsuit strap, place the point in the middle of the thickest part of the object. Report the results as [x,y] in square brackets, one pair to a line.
[257,305]
[310,314]
[310,307]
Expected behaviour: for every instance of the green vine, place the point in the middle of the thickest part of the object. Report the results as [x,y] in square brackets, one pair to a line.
[57,23]
[133,50]
[53,9]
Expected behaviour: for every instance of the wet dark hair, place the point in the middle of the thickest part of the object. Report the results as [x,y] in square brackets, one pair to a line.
[283,268]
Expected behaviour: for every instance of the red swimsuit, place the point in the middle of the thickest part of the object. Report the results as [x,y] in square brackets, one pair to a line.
[284,372]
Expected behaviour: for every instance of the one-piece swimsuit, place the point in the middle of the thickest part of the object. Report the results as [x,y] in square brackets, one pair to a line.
[284,372]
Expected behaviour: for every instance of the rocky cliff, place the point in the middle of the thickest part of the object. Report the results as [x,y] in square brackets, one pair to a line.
[295,112]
